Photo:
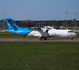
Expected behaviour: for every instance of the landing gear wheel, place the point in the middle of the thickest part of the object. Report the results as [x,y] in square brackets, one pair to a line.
[40,38]
[71,38]
[45,38]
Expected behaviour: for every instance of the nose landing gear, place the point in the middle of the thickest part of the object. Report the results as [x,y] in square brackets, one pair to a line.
[71,38]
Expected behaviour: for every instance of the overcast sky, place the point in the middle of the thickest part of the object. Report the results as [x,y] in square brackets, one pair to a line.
[39,9]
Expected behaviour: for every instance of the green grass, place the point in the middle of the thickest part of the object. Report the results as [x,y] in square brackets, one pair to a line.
[39,56]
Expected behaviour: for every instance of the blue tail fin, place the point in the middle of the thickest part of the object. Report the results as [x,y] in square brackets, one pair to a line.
[13,28]
[11,25]
[39,26]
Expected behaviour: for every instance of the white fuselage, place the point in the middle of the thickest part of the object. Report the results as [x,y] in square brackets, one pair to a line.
[53,33]
[61,33]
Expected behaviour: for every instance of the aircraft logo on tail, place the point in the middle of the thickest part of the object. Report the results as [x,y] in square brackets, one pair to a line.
[11,24]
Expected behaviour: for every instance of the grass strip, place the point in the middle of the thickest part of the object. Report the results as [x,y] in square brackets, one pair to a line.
[39,56]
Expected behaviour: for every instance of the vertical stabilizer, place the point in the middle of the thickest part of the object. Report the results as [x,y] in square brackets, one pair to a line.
[13,28]
[39,26]
[11,25]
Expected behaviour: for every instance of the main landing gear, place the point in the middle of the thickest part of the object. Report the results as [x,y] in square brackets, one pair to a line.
[71,38]
[45,38]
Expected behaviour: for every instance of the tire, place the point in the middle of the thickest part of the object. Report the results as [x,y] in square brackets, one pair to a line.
[40,38]
[45,38]
[71,38]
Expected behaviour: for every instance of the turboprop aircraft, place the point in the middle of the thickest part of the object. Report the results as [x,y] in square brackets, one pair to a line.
[44,33]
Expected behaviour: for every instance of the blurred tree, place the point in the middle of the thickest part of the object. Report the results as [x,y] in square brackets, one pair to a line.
[64,24]
[77,23]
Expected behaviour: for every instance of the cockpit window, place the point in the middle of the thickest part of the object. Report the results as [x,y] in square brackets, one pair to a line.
[70,31]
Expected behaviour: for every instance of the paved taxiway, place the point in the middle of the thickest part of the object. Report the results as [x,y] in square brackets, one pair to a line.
[36,40]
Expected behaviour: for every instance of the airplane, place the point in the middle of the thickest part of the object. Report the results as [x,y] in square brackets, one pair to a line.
[44,33]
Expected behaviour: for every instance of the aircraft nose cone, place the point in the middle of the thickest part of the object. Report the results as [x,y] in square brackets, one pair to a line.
[75,34]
